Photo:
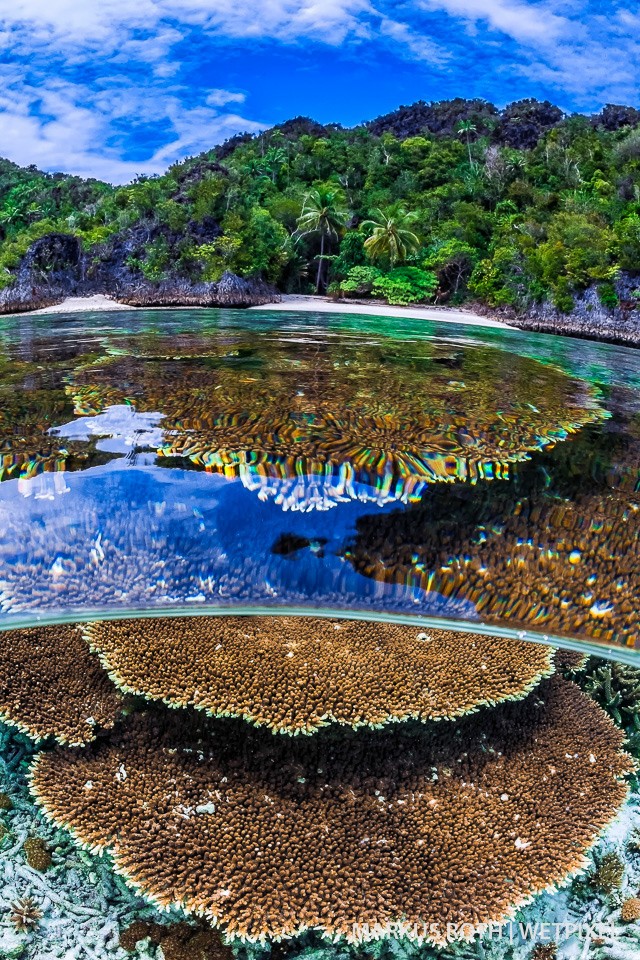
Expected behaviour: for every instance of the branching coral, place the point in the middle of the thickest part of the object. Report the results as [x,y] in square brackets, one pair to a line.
[616,687]
[360,835]
[297,674]
[25,914]
[52,685]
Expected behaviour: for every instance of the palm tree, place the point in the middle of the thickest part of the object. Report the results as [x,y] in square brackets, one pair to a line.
[391,239]
[323,212]
[467,127]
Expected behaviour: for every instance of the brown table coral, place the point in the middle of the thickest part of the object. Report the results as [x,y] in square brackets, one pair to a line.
[305,423]
[297,674]
[52,685]
[362,834]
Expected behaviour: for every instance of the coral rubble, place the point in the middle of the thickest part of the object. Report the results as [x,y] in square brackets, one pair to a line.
[297,674]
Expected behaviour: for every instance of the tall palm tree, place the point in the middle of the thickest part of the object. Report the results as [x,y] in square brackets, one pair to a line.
[467,127]
[323,212]
[391,239]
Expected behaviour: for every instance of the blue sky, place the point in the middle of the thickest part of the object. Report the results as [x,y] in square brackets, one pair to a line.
[117,88]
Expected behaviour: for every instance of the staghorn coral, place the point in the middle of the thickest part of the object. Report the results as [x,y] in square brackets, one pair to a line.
[37,853]
[361,835]
[25,914]
[616,687]
[609,873]
[52,685]
[297,674]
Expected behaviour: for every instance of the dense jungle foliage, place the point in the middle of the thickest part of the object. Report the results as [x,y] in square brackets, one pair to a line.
[444,202]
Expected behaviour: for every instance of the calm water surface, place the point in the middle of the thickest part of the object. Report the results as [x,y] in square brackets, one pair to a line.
[164,461]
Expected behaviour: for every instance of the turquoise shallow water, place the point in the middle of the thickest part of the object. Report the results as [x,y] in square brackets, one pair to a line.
[213,461]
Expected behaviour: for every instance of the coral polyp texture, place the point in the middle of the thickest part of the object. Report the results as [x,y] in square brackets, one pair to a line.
[360,836]
[297,674]
[570,661]
[51,685]
[315,428]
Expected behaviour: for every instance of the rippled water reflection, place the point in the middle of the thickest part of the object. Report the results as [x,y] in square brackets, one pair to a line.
[164,460]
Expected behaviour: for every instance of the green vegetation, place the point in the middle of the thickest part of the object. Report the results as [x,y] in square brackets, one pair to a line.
[444,203]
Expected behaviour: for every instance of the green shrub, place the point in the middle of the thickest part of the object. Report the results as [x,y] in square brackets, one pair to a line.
[608,296]
[360,280]
[405,285]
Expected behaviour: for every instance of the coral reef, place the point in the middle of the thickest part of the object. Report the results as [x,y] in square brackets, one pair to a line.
[312,430]
[84,905]
[297,674]
[52,685]
[360,835]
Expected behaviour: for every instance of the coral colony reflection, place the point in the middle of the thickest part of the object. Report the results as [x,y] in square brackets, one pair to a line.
[213,785]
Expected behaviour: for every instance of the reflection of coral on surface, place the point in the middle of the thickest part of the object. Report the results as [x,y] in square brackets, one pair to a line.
[297,674]
[568,566]
[51,685]
[362,835]
[314,426]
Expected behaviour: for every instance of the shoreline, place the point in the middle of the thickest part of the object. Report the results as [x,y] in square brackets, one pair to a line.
[308,303]
[289,302]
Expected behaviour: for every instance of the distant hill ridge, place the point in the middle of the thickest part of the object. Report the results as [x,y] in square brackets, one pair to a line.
[523,209]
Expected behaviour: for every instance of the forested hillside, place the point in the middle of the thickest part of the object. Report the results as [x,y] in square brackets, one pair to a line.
[441,202]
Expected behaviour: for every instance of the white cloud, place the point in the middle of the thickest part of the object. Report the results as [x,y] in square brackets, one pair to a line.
[220,98]
[526,22]
[52,114]
[65,126]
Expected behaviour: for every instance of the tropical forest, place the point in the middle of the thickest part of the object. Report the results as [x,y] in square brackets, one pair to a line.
[443,203]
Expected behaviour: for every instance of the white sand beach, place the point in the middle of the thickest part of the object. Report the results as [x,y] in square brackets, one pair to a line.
[294,302]
[313,304]
[80,305]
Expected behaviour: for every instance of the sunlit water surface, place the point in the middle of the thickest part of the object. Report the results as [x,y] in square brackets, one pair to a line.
[211,461]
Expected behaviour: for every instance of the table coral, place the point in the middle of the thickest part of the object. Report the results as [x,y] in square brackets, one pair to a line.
[52,685]
[297,674]
[362,835]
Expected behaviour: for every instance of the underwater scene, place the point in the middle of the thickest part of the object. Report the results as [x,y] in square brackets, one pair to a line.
[319,638]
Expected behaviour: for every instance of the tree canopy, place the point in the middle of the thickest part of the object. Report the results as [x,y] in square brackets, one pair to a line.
[466,201]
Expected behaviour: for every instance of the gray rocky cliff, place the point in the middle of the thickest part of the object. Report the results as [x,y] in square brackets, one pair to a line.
[55,267]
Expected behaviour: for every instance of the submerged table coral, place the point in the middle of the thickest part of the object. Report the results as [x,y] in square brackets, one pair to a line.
[52,685]
[297,674]
[361,835]
[312,426]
